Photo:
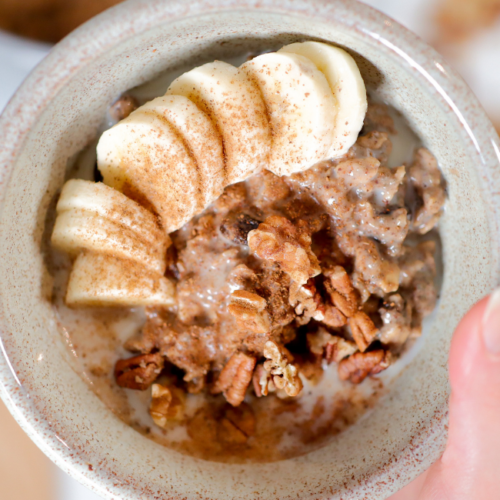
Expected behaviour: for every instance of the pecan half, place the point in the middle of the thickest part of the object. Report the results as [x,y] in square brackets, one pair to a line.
[249,310]
[342,293]
[166,404]
[138,372]
[235,378]
[361,365]
[363,330]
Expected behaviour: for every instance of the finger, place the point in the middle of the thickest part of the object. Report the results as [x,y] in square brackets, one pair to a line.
[470,466]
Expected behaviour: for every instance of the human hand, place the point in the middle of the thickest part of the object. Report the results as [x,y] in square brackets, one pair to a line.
[470,466]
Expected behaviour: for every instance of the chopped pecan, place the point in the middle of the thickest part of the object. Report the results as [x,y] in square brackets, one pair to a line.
[249,310]
[309,304]
[334,348]
[284,375]
[235,378]
[341,291]
[237,227]
[237,424]
[166,404]
[229,433]
[363,330]
[262,381]
[317,341]
[361,365]
[338,349]
[122,107]
[332,317]
[279,240]
[138,372]
[202,426]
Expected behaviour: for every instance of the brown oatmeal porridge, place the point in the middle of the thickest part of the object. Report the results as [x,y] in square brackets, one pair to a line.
[292,294]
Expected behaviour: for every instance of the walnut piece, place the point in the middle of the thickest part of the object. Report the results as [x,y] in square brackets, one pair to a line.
[235,378]
[285,376]
[363,330]
[249,310]
[138,372]
[279,240]
[166,404]
[360,365]
[342,293]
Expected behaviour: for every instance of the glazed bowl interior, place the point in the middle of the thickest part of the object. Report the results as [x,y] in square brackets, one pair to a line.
[60,110]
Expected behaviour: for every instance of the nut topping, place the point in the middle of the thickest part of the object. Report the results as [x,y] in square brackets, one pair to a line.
[237,425]
[332,347]
[166,404]
[235,378]
[363,330]
[284,375]
[249,309]
[361,365]
[341,291]
[138,372]
[278,240]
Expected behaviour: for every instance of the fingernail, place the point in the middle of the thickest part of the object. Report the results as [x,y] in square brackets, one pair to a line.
[491,323]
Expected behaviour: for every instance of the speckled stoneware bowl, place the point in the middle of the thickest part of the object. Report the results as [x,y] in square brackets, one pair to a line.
[57,112]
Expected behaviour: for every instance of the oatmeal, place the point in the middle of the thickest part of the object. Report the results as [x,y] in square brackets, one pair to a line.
[270,295]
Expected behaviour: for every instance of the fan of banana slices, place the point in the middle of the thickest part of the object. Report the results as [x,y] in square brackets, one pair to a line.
[216,125]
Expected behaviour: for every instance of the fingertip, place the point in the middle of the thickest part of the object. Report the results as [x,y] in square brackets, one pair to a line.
[467,346]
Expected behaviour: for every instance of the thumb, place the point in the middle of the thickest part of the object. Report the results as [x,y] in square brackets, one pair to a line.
[470,465]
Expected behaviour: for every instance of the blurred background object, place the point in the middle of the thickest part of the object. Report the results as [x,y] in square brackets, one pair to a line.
[48,20]
[466,32]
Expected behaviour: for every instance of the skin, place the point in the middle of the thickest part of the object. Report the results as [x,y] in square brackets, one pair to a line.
[470,466]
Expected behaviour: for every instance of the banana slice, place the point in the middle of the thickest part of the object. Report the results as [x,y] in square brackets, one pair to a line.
[144,157]
[235,106]
[347,86]
[301,109]
[103,280]
[201,137]
[96,198]
[77,230]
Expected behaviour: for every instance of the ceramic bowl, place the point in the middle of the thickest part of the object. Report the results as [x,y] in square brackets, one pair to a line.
[59,109]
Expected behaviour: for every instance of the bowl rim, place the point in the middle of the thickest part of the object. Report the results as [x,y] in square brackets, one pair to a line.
[135,17]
